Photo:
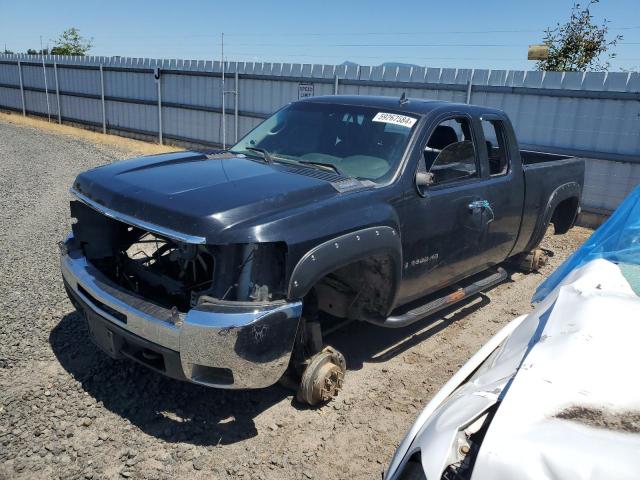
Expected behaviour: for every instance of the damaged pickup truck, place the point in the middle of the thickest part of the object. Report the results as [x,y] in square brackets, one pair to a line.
[226,268]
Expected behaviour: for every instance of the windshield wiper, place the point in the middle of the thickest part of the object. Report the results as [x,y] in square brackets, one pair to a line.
[323,165]
[269,159]
[264,152]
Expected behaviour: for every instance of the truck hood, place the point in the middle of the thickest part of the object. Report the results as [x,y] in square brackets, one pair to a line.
[200,195]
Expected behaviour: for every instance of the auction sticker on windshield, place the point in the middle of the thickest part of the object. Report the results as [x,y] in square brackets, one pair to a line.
[394,118]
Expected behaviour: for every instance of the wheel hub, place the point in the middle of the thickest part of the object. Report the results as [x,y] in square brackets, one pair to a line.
[533,261]
[323,378]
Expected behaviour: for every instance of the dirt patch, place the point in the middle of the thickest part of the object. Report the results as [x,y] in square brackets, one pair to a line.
[600,418]
[69,411]
[133,147]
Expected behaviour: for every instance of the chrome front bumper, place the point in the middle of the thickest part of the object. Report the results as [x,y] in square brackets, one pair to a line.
[224,345]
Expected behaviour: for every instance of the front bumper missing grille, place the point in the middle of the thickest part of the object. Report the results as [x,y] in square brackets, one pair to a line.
[223,345]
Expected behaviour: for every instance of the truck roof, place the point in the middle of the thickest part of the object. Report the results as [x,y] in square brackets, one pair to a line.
[418,106]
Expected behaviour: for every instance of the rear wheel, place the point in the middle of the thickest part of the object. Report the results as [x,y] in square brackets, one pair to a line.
[531,261]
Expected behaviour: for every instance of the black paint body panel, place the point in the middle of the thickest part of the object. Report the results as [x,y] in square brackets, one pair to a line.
[235,200]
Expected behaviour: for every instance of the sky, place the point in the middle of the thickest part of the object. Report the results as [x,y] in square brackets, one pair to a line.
[461,33]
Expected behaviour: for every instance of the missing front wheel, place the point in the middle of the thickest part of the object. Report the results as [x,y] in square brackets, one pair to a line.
[323,377]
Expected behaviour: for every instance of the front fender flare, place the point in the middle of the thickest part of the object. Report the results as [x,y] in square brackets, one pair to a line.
[343,250]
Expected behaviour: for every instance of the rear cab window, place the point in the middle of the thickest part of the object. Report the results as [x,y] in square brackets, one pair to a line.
[496,144]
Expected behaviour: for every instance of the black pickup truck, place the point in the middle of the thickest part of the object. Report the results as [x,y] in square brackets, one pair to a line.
[224,268]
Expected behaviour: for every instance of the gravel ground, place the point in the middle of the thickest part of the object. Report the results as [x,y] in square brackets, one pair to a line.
[68,411]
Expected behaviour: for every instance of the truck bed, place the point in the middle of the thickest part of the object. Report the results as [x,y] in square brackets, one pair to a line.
[530,157]
[543,173]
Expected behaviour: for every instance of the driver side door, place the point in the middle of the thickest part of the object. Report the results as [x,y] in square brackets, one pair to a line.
[444,234]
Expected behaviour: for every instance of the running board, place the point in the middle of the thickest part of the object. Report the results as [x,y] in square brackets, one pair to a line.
[418,313]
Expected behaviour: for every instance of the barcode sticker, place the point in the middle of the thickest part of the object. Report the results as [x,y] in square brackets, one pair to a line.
[394,118]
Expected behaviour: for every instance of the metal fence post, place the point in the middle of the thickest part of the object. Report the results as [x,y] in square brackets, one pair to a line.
[104,111]
[158,78]
[24,107]
[55,73]
[235,110]
[469,87]
[335,85]
[46,87]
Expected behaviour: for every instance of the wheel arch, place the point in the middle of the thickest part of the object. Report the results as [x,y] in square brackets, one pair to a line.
[568,192]
[565,214]
[344,250]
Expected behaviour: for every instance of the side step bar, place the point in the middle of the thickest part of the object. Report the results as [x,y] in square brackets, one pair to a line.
[433,306]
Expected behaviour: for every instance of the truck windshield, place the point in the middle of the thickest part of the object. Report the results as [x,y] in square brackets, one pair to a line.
[361,142]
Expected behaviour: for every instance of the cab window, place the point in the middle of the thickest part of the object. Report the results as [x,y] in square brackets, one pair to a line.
[450,153]
[496,146]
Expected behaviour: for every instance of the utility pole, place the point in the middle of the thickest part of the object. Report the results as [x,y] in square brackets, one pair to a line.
[224,126]
[233,92]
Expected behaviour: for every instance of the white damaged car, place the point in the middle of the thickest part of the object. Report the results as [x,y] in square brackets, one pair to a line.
[556,393]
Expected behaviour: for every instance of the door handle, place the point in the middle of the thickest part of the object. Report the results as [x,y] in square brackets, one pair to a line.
[477,204]
[482,205]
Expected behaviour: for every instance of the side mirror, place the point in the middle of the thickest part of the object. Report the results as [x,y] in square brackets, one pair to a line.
[424,179]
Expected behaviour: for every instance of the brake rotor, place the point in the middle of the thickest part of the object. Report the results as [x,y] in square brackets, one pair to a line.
[323,378]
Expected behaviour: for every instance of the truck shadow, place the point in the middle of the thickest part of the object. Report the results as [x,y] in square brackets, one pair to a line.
[362,342]
[168,409]
[366,343]
[177,411]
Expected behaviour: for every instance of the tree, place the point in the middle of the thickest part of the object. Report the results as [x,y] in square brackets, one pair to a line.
[579,44]
[32,51]
[71,43]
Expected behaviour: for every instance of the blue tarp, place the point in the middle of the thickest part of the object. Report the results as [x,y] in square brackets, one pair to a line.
[617,240]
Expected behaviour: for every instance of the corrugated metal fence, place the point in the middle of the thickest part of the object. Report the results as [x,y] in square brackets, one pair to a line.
[591,115]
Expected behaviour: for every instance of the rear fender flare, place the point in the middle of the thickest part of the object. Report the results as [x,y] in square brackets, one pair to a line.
[563,192]
[343,250]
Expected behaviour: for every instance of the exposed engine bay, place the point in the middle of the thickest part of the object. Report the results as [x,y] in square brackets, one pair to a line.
[178,274]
